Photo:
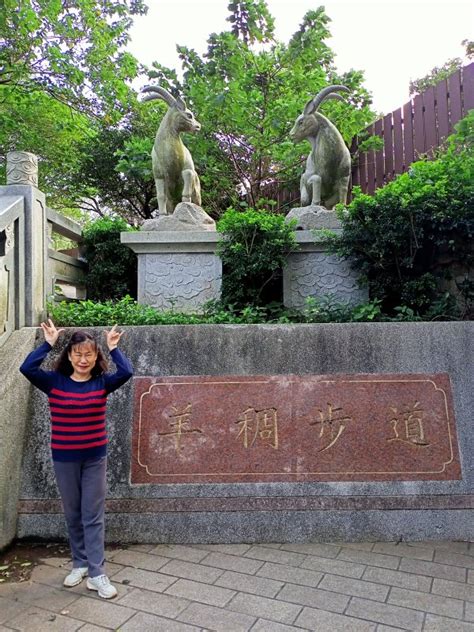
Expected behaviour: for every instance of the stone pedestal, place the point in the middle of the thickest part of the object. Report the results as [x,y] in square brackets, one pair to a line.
[314,272]
[176,270]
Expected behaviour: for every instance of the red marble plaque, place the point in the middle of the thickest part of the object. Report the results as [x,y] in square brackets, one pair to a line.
[199,429]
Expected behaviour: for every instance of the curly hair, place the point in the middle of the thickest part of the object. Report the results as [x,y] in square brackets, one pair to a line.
[63,364]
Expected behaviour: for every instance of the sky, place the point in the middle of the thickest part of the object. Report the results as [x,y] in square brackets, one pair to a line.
[393,42]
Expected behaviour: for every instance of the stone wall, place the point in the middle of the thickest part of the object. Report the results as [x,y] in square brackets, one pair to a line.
[263,511]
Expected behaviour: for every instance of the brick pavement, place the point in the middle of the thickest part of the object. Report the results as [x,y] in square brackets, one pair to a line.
[359,587]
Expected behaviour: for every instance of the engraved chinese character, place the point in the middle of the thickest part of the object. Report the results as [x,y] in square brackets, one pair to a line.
[407,425]
[179,422]
[259,424]
[332,424]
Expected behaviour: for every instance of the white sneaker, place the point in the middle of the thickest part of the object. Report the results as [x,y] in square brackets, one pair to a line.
[75,576]
[102,584]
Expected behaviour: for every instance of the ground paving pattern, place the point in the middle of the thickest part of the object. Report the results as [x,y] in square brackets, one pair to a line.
[358,587]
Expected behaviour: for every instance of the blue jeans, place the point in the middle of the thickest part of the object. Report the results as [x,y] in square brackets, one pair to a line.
[82,487]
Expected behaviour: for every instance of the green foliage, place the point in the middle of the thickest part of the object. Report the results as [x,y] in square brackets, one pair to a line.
[72,51]
[114,167]
[127,312]
[253,250]
[407,239]
[438,73]
[112,267]
[247,90]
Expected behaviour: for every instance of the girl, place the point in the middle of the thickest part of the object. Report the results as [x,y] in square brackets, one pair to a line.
[77,391]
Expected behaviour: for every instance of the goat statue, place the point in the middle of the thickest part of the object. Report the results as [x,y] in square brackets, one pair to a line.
[325,180]
[176,179]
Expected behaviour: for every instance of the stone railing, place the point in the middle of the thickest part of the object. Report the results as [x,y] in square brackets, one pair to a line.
[30,270]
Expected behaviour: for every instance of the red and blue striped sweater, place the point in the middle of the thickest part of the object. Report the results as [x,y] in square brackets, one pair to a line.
[77,408]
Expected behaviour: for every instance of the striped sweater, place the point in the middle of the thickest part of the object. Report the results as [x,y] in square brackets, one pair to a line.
[77,408]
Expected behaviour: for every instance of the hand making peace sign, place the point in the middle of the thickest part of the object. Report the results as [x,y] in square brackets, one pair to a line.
[50,332]
[113,338]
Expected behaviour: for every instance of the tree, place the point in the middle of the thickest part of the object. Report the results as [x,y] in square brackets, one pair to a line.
[71,50]
[114,172]
[246,90]
[412,240]
[437,74]
[39,124]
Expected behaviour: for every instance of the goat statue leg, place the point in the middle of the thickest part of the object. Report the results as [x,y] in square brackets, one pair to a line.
[196,192]
[161,197]
[188,177]
[315,183]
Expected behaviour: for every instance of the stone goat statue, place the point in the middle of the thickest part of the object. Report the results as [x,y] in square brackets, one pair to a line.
[173,168]
[328,167]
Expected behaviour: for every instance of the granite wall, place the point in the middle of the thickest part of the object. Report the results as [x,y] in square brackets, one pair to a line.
[269,511]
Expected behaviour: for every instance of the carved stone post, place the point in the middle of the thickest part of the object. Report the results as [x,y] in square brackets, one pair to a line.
[22,168]
[22,180]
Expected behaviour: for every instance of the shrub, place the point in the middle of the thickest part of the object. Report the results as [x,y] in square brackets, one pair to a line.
[112,266]
[414,236]
[253,250]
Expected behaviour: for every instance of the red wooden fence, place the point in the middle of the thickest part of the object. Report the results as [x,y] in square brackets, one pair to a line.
[414,130]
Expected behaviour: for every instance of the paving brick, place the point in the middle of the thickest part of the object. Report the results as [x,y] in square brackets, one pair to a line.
[469,613]
[383,628]
[263,625]
[404,550]
[436,604]
[358,546]
[232,563]
[196,591]
[41,595]
[314,597]
[434,623]
[447,545]
[187,570]
[354,587]
[38,620]
[385,613]
[145,548]
[264,608]
[456,590]
[470,577]
[154,603]
[273,555]
[179,552]
[398,578]
[456,559]
[50,575]
[335,567]
[320,550]
[230,549]
[369,558]
[58,562]
[136,577]
[320,621]
[100,612]
[432,569]
[10,609]
[212,618]
[249,584]
[150,623]
[138,559]
[90,627]
[290,574]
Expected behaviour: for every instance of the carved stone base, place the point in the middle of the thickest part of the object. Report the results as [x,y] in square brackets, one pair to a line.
[186,216]
[314,272]
[176,270]
[313,218]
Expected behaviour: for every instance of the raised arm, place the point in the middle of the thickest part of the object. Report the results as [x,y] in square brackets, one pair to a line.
[31,365]
[124,368]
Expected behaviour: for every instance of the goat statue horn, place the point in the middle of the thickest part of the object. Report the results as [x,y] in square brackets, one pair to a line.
[325,93]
